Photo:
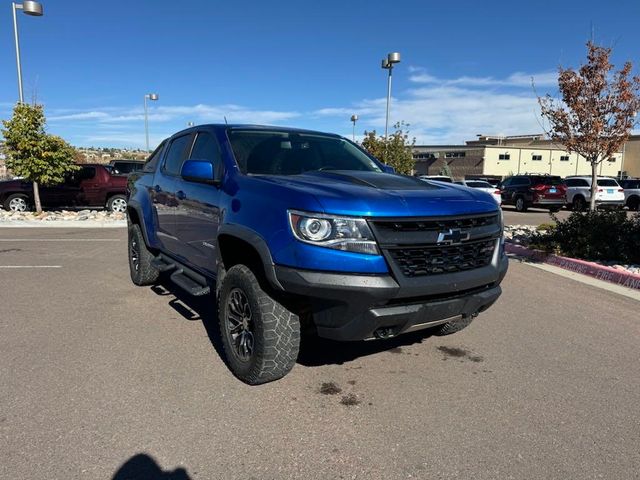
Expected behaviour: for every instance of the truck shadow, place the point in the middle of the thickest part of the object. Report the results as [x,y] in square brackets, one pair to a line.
[144,467]
[314,351]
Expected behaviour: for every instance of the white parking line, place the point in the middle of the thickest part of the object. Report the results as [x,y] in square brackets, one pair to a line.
[30,266]
[60,240]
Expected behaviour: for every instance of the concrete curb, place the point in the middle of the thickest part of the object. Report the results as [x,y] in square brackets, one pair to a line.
[63,224]
[599,272]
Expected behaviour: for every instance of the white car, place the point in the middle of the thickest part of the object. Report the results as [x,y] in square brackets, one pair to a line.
[609,194]
[436,178]
[484,186]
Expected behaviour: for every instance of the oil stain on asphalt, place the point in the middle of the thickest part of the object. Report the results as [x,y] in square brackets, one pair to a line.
[461,353]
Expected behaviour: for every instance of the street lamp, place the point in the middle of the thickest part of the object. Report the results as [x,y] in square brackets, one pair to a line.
[354,119]
[154,97]
[387,64]
[29,8]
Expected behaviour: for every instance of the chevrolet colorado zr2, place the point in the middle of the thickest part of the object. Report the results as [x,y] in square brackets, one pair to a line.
[290,226]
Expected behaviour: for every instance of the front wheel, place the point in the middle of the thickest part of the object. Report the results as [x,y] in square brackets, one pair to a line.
[117,204]
[260,337]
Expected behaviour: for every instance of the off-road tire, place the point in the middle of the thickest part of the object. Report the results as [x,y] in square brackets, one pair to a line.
[275,330]
[521,204]
[140,267]
[453,326]
[7,202]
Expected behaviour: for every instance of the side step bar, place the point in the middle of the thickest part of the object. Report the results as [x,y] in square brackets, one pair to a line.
[190,281]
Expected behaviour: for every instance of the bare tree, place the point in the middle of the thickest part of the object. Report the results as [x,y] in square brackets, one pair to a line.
[597,111]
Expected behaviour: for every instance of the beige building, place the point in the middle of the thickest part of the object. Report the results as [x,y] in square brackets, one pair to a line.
[498,157]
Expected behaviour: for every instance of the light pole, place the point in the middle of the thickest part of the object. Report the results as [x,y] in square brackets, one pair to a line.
[387,64]
[354,119]
[154,97]
[29,8]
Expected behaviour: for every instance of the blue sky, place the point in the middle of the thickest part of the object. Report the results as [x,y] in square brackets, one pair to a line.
[466,65]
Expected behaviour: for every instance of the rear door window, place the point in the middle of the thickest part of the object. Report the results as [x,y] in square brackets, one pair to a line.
[176,154]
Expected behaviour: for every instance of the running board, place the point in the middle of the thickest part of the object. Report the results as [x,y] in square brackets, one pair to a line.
[184,281]
[190,281]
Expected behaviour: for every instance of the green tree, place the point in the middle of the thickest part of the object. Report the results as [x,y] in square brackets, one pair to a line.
[446,170]
[395,151]
[597,110]
[32,153]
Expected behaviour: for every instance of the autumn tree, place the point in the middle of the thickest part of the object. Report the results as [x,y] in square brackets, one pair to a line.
[32,153]
[597,111]
[395,151]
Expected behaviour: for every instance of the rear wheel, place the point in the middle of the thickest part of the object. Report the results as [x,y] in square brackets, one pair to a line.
[578,203]
[18,202]
[260,337]
[117,204]
[140,266]
[521,206]
[634,203]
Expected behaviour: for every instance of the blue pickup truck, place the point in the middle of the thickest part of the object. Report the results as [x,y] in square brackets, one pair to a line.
[291,228]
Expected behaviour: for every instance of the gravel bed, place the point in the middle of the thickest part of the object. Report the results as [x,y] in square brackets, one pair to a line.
[61,216]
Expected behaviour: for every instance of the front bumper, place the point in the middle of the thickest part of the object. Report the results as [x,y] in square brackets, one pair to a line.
[357,307]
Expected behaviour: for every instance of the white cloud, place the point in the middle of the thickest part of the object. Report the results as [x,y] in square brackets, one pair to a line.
[517,79]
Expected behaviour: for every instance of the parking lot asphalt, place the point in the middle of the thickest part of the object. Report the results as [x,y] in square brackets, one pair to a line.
[104,380]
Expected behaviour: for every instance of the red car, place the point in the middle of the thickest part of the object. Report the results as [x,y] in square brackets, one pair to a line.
[91,186]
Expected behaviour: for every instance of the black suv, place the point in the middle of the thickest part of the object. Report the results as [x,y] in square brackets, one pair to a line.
[125,167]
[538,191]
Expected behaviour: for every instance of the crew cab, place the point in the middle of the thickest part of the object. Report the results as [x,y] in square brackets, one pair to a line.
[90,186]
[289,228]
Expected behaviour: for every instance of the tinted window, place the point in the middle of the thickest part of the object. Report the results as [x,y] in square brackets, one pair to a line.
[206,148]
[152,161]
[87,173]
[175,155]
[607,182]
[546,180]
[519,181]
[292,153]
[630,184]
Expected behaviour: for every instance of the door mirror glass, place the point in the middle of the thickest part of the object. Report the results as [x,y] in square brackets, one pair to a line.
[200,171]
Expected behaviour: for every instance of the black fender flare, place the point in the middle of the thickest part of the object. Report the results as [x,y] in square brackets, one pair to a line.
[259,243]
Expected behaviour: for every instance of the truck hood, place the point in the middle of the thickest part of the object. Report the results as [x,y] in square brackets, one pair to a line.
[374,194]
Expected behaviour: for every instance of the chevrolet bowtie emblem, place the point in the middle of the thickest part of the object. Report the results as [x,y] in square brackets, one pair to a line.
[453,236]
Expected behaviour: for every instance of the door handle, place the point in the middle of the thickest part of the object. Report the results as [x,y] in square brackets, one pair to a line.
[180,195]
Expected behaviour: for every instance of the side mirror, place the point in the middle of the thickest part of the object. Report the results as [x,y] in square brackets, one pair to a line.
[199,171]
[388,169]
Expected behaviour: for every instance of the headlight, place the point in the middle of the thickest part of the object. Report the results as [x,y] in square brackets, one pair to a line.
[341,233]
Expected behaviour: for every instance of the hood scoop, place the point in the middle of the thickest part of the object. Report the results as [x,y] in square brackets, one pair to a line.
[378,180]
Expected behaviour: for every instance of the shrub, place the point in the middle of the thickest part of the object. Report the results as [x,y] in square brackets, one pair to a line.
[599,235]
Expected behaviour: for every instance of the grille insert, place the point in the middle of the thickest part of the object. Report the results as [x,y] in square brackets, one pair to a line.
[432,225]
[418,261]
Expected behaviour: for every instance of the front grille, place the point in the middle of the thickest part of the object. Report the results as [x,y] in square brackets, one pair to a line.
[436,224]
[436,259]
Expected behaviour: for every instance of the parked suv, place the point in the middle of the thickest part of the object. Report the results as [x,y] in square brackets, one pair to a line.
[292,227]
[90,186]
[610,193]
[631,193]
[125,167]
[538,191]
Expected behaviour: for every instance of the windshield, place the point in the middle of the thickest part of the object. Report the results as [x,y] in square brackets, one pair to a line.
[292,153]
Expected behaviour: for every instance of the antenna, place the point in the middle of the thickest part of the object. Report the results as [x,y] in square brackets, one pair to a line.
[225,120]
